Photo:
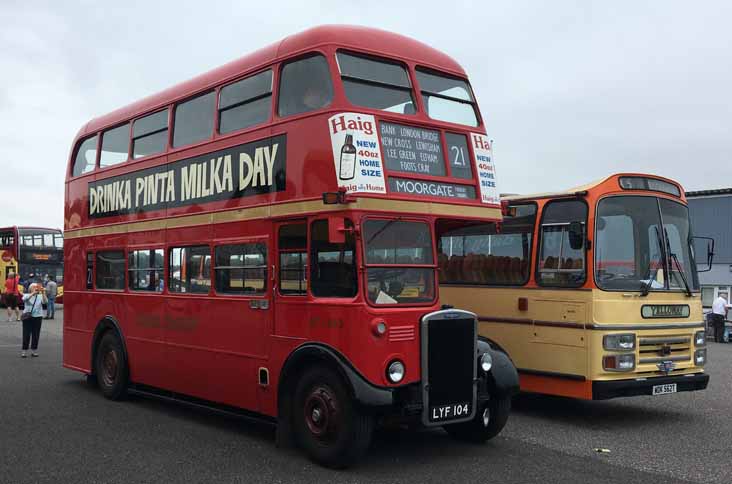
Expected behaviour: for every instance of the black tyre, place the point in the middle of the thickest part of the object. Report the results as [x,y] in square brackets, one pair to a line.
[111,369]
[487,423]
[326,423]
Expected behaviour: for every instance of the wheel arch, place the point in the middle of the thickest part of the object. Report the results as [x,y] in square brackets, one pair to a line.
[107,323]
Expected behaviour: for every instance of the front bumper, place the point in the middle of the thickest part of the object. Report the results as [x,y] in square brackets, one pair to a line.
[603,390]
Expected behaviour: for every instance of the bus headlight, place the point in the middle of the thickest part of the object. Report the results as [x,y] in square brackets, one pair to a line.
[486,362]
[619,342]
[700,338]
[700,357]
[618,362]
[395,372]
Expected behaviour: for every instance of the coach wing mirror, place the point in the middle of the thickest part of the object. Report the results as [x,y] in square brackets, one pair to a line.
[337,230]
[702,242]
[576,235]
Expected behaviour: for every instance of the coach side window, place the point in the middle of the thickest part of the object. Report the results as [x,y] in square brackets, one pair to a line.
[245,103]
[305,85]
[115,145]
[189,269]
[293,245]
[86,157]
[241,269]
[145,268]
[561,248]
[110,270]
[194,120]
[150,134]
[333,267]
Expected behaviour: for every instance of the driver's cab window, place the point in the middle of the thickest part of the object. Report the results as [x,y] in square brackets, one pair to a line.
[561,260]
[333,269]
[293,258]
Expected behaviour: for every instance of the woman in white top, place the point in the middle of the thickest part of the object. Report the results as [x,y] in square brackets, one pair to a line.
[33,301]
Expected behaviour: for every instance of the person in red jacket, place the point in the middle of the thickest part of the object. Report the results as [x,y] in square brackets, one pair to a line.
[11,296]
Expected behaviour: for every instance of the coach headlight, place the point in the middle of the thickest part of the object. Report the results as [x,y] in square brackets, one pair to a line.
[395,371]
[619,342]
[700,357]
[700,338]
[486,362]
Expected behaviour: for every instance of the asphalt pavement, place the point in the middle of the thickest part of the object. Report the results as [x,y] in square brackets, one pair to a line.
[54,428]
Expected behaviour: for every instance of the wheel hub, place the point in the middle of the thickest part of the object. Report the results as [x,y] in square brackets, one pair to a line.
[322,412]
[110,362]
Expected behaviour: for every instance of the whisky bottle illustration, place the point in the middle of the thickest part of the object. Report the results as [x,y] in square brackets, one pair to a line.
[347,168]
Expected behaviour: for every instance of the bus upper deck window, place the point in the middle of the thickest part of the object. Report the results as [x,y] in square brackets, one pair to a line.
[305,85]
[150,134]
[86,156]
[447,98]
[115,145]
[245,103]
[376,84]
[194,120]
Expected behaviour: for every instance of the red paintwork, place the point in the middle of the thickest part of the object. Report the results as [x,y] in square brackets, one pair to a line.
[211,346]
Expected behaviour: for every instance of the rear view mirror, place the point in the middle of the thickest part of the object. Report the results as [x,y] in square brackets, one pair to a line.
[337,230]
[576,235]
[707,244]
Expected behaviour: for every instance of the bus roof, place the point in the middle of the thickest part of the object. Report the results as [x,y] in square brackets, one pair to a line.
[355,37]
[582,188]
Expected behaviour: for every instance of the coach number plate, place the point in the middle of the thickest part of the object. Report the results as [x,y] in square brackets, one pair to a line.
[442,413]
[664,389]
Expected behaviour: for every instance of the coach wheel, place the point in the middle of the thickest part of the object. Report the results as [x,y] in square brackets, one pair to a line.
[111,367]
[327,425]
[487,423]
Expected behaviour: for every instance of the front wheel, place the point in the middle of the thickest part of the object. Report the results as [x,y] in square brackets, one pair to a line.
[327,423]
[111,367]
[488,422]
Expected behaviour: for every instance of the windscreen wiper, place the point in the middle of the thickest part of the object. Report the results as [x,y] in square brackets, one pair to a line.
[672,257]
[646,286]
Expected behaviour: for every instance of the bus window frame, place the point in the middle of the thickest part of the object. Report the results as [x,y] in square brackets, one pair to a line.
[585,249]
[364,265]
[357,260]
[146,247]
[277,68]
[273,92]
[167,149]
[173,108]
[77,147]
[100,133]
[435,71]
[169,254]
[258,239]
[278,260]
[96,253]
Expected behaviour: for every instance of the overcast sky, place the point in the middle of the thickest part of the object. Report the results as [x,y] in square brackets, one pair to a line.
[570,91]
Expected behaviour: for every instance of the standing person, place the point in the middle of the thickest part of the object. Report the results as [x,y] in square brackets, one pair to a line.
[11,296]
[51,292]
[719,315]
[33,301]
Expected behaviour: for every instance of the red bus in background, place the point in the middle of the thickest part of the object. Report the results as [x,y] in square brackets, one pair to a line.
[262,238]
[32,250]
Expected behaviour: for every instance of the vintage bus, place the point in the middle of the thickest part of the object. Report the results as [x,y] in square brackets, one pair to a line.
[261,239]
[593,292]
[33,251]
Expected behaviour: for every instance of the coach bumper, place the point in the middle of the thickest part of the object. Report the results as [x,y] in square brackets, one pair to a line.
[603,390]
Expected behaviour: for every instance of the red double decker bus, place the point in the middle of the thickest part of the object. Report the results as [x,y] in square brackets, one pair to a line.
[261,239]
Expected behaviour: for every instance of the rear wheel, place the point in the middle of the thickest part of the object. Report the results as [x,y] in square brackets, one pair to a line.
[487,423]
[111,369]
[326,422]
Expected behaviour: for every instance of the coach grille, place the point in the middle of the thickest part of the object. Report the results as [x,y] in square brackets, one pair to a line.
[448,362]
[656,349]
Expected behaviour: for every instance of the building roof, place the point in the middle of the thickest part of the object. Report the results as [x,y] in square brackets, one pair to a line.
[707,193]
[349,36]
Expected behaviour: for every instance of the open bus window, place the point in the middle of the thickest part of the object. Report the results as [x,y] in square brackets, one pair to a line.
[241,269]
[399,261]
[560,264]
[190,269]
[115,145]
[245,103]
[376,84]
[150,134]
[447,98]
[110,270]
[305,85]
[145,269]
[483,254]
[86,157]
[333,269]
[194,120]
[293,243]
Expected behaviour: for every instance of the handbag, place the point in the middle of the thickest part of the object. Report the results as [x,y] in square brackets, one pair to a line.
[28,315]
